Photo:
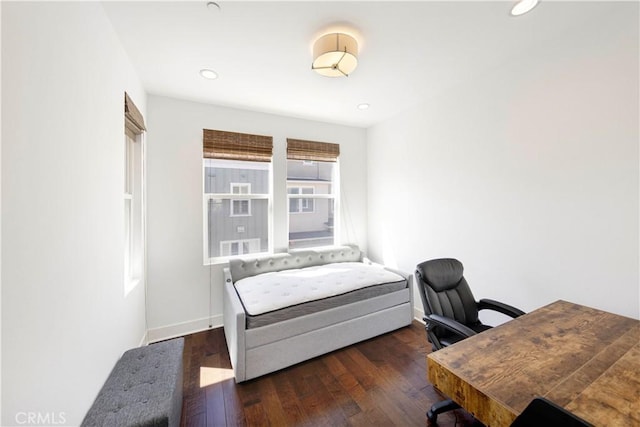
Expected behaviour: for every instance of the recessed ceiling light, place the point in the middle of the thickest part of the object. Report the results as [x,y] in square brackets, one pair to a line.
[208,74]
[523,6]
[363,106]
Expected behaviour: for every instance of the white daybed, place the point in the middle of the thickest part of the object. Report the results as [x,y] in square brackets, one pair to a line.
[277,330]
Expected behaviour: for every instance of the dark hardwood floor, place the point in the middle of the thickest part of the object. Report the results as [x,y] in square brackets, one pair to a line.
[381,381]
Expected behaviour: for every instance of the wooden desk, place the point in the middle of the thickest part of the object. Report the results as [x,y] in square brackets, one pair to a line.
[583,359]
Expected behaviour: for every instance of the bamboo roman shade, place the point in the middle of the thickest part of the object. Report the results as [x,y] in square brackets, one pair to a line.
[217,144]
[133,120]
[298,149]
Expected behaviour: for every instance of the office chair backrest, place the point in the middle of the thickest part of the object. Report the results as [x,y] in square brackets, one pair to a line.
[444,291]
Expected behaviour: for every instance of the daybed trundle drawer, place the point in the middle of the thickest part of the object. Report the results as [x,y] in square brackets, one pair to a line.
[277,331]
[289,351]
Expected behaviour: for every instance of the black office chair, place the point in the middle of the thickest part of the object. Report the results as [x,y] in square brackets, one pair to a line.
[543,412]
[451,311]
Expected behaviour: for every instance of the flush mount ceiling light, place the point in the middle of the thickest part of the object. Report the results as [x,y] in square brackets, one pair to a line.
[208,74]
[523,6]
[363,106]
[335,55]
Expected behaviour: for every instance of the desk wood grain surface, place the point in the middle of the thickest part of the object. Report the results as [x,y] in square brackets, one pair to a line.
[583,359]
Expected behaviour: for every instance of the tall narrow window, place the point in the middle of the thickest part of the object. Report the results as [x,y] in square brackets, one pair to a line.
[312,192]
[237,194]
[133,195]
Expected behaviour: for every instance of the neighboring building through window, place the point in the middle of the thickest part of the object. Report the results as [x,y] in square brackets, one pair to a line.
[239,247]
[312,192]
[241,207]
[237,194]
[300,205]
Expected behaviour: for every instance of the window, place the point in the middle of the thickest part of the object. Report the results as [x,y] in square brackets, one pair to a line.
[237,194]
[239,247]
[238,188]
[300,205]
[133,196]
[312,192]
[241,207]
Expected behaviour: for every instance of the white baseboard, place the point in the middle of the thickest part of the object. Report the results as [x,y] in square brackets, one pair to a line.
[144,340]
[184,328]
[418,314]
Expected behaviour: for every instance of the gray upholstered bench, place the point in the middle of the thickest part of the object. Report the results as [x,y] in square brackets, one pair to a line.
[143,389]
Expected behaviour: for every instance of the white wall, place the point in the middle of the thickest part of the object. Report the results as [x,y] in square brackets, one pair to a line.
[65,320]
[0,215]
[178,282]
[528,174]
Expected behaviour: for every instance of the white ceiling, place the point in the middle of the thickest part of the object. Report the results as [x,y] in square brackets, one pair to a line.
[409,51]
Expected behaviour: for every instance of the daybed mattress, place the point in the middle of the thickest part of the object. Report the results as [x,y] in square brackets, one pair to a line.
[275,296]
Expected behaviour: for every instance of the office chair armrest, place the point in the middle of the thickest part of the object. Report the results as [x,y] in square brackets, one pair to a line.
[449,324]
[503,308]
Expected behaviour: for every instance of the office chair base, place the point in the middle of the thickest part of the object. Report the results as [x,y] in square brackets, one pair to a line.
[440,407]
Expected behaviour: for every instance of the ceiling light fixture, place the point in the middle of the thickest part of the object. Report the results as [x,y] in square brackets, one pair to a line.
[523,6]
[208,74]
[335,55]
[363,106]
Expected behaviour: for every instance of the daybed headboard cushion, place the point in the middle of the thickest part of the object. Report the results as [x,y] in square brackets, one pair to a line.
[241,268]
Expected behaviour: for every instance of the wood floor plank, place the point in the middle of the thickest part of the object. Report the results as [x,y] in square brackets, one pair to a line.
[325,409]
[390,390]
[347,405]
[269,398]
[233,409]
[344,367]
[289,401]
[214,398]
[378,382]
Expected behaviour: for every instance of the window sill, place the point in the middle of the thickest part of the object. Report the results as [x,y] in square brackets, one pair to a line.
[225,260]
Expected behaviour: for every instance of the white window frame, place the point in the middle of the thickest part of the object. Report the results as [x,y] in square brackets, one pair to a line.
[207,197]
[134,212]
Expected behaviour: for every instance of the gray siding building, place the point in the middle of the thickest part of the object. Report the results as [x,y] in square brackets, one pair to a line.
[236,226]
